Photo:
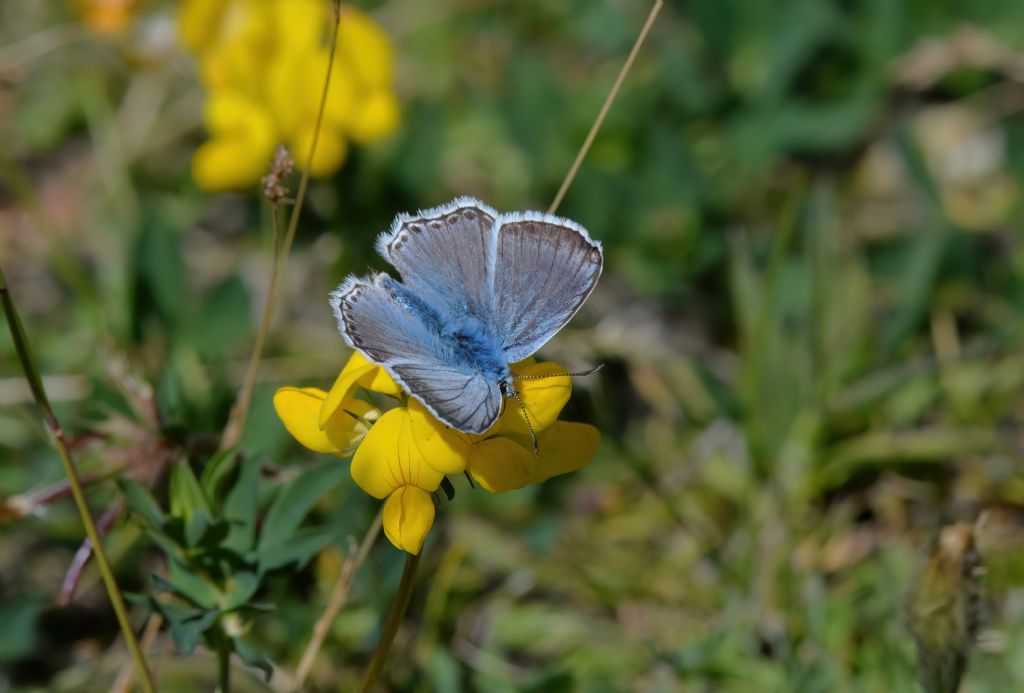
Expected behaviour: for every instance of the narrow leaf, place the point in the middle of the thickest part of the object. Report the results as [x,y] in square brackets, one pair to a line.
[253,657]
[299,548]
[187,497]
[296,500]
[141,502]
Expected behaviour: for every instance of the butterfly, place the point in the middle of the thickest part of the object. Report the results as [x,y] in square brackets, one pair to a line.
[479,290]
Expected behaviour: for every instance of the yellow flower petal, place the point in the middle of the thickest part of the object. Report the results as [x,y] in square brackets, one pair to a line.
[408,516]
[543,399]
[107,15]
[388,459]
[241,147]
[503,464]
[229,163]
[299,24]
[376,116]
[365,48]
[199,23]
[500,464]
[357,371]
[331,149]
[443,448]
[298,408]
[565,447]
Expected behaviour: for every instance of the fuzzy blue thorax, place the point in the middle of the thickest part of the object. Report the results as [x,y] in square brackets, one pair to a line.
[467,340]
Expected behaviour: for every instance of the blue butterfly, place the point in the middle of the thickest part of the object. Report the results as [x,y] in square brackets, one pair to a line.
[479,290]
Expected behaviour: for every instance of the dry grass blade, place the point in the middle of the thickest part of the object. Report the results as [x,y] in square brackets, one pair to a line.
[337,601]
[612,95]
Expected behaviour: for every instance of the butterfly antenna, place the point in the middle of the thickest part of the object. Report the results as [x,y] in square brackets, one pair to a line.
[526,417]
[591,371]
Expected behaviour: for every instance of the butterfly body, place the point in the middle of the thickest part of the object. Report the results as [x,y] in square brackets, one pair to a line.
[479,290]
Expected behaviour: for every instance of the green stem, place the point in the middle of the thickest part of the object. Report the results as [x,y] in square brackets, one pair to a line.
[394,621]
[35,383]
[224,668]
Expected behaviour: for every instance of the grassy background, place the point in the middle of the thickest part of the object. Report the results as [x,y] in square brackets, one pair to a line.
[811,317]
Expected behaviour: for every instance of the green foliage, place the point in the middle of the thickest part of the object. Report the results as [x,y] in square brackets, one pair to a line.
[218,560]
[811,318]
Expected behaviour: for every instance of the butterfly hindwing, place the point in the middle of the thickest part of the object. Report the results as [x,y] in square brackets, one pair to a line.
[468,403]
[389,325]
[545,269]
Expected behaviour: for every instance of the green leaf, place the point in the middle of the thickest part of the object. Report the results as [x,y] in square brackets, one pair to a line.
[241,586]
[222,318]
[216,471]
[241,507]
[189,632]
[196,587]
[197,528]
[18,632]
[160,271]
[187,584]
[167,543]
[253,657]
[187,497]
[206,533]
[141,501]
[187,625]
[296,500]
[298,548]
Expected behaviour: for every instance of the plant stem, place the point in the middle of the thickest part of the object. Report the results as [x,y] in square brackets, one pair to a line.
[607,105]
[224,668]
[337,601]
[24,351]
[125,679]
[240,412]
[387,637]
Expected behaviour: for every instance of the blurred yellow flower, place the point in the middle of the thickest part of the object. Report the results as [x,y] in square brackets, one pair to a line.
[262,63]
[107,16]
[403,454]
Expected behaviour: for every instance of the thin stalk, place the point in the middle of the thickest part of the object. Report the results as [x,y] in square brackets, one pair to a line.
[126,677]
[387,637]
[35,383]
[224,669]
[607,106]
[239,414]
[337,601]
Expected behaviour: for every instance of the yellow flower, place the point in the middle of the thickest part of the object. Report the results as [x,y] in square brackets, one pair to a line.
[107,16]
[299,409]
[262,63]
[406,452]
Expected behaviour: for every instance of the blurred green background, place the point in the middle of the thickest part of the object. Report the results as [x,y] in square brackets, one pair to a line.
[811,319]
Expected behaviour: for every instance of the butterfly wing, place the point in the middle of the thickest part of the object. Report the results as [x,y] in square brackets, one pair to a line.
[446,254]
[391,326]
[545,268]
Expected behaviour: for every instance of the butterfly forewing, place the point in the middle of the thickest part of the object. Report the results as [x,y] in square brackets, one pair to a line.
[545,269]
[446,254]
[386,323]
